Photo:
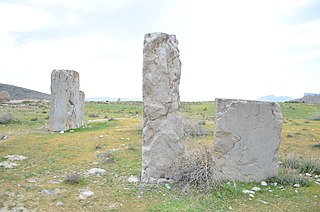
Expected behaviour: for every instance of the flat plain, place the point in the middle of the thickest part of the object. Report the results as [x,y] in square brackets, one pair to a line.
[111,140]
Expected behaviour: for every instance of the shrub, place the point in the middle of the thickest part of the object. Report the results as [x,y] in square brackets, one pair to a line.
[291,161]
[316,117]
[303,165]
[74,178]
[197,168]
[289,180]
[93,115]
[193,130]
[106,158]
[309,166]
[316,145]
[6,118]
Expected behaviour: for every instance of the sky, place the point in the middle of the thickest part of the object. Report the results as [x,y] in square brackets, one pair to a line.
[229,49]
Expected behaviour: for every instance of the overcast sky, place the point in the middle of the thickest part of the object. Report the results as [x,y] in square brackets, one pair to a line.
[232,49]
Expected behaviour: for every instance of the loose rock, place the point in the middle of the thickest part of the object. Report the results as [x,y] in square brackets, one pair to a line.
[56,192]
[256,189]
[248,192]
[296,185]
[8,165]
[59,203]
[263,202]
[274,184]
[32,180]
[85,193]
[263,183]
[133,179]
[251,195]
[96,171]
[308,175]
[15,157]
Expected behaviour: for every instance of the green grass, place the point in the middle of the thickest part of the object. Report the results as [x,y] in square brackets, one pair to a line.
[51,156]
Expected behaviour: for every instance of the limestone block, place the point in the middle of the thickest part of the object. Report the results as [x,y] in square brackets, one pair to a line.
[80,121]
[4,96]
[247,138]
[162,123]
[65,112]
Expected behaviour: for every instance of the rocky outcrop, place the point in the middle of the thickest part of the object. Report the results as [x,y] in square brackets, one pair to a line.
[4,96]
[310,99]
[247,138]
[162,124]
[67,102]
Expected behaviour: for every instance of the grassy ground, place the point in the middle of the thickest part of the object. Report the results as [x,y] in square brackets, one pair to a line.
[51,156]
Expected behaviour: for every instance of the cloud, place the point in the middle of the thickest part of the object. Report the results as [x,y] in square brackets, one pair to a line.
[19,18]
[234,49]
[305,13]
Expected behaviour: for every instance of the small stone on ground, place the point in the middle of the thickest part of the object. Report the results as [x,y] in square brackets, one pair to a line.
[8,165]
[248,192]
[85,193]
[263,183]
[96,171]
[263,202]
[256,189]
[15,157]
[133,179]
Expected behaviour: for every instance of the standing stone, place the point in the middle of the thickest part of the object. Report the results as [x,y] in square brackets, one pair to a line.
[66,105]
[162,123]
[247,138]
[4,96]
[80,121]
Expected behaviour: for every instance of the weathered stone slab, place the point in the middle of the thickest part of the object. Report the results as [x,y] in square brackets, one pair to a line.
[162,123]
[66,101]
[80,121]
[4,96]
[247,138]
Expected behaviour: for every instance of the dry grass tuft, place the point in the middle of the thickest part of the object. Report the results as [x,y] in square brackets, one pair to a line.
[74,178]
[302,165]
[6,118]
[197,168]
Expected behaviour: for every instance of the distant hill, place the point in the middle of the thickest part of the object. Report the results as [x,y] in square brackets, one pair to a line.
[309,94]
[18,93]
[273,98]
[314,99]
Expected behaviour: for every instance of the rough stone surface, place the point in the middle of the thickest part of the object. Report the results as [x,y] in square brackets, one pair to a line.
[4,96]
[80,120]
[162,123]
[247,138]
[67,102]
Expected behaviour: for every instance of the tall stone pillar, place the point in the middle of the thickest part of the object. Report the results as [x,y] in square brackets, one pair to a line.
[247,138]
[80,121]
[162,124]
[65,107]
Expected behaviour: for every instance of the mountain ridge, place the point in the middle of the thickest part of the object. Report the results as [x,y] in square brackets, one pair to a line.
[19,93]
[273,98]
